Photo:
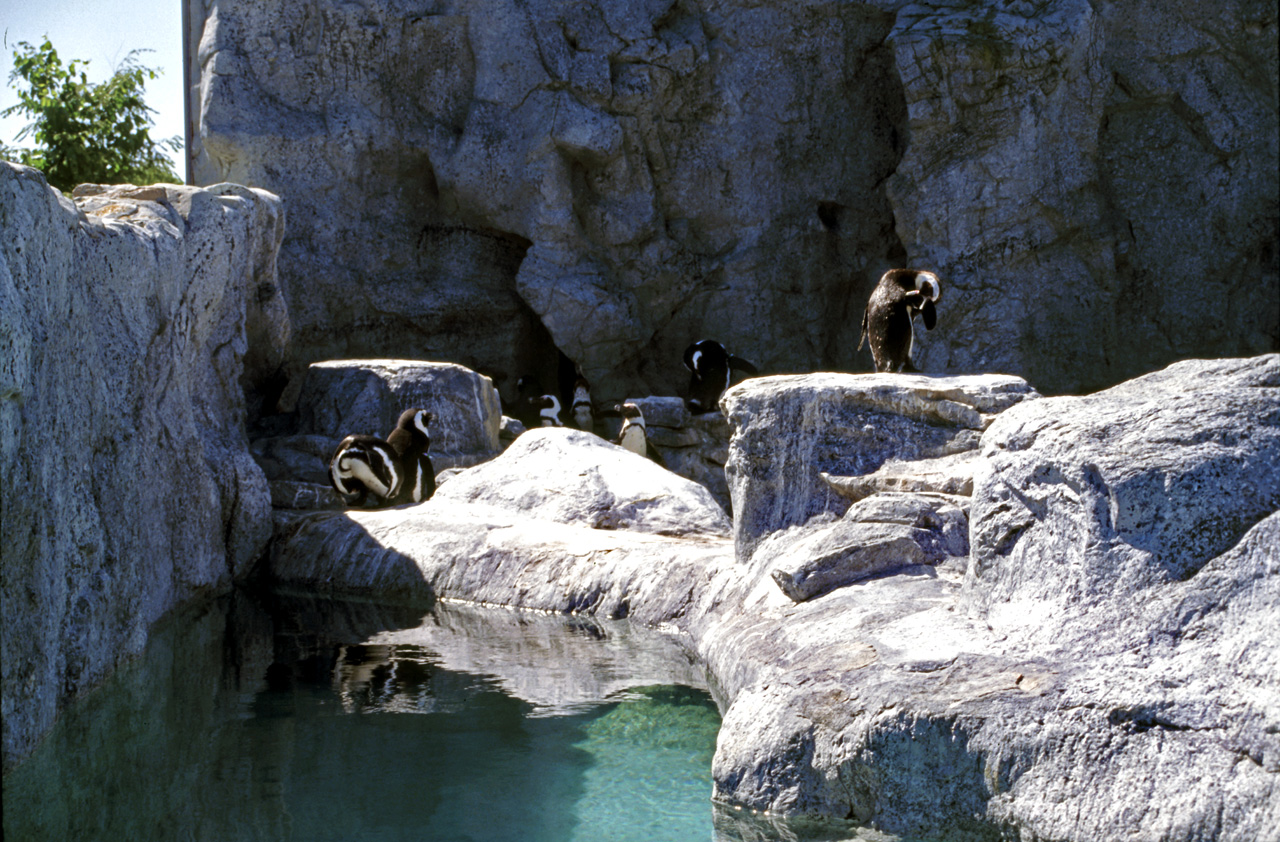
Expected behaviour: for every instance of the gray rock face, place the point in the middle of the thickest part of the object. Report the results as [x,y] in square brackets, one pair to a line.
[882,533]
[340,397]
[495,184]
[1105,496]
[1149,707]
[127,481]
[845,425]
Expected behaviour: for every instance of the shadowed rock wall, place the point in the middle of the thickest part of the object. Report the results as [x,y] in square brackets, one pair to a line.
[492,182]
[126,484]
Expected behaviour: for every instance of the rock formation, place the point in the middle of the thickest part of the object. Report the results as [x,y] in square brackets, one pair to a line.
[495,184]
[1104,643]
[129,320]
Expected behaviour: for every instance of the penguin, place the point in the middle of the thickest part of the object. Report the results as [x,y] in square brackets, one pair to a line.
[411,439]
[887,322]
[711,368]
[363,467]
[548,411]
[529,393]
[634,435]
[582,410]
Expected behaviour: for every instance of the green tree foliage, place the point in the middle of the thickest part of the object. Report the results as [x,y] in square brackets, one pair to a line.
[87,133]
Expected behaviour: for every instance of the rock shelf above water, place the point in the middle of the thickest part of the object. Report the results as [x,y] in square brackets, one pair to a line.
[959,687]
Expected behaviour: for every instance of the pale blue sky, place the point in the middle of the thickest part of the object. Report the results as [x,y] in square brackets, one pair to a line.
[102,31]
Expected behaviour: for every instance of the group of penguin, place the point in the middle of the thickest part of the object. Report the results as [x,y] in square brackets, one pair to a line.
[368,471]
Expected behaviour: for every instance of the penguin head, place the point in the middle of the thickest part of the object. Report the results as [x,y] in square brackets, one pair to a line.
[422,422]
[631,414]
[703,354]
[928,285]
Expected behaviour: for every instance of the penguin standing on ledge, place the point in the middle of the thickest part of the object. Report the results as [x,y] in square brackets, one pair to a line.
[711,368]
[582,411]
[366,470]
[634,435]
[887,321]
[411,439]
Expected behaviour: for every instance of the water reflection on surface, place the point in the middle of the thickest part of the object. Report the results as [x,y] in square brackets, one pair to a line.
[290,718]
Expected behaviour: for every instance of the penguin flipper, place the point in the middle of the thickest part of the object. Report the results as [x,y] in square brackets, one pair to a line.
[863,338]
[742,365]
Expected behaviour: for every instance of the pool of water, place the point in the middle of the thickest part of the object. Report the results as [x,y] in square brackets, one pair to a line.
[276,717]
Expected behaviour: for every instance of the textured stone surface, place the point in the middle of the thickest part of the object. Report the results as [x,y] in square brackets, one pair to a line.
[945,475]
[495,182]
[1150,707]
[571,476]
[843,424]
[340,397]
[126,476]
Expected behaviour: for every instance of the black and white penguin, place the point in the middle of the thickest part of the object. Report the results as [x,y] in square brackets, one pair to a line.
[548,407]
[711,368]
[411,439]
[582,411]
[634,435]
[366,470]
[887,321]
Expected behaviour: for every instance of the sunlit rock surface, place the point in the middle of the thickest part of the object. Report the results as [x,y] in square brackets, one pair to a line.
[896,690]
[497,182]
[131,320]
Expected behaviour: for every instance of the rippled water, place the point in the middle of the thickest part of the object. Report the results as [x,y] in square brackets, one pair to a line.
[286,718]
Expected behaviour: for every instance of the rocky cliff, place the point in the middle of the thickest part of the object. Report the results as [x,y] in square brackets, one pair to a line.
[499,182]
[131,320]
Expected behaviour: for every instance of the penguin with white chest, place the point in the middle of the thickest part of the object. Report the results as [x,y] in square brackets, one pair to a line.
[711,370]
[582,410]
[634,435]
[411,439]
[887,323]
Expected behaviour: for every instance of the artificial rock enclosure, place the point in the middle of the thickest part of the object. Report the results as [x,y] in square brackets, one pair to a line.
[941,601]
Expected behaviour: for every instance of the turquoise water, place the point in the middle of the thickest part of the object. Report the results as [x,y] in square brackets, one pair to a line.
[273,717]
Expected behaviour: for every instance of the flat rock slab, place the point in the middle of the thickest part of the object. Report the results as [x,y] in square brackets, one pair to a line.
[340,397]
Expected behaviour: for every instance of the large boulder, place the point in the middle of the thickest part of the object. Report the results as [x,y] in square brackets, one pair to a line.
[790,430]
[1099,498]
[495,184]
[127,481]
[571,476]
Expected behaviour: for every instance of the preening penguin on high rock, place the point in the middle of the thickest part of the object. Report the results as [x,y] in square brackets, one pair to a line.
[711,370]
[887,321]
[634,435]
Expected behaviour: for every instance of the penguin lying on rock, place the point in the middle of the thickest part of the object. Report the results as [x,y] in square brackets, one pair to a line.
[711,368]
[887,321]
[369,471]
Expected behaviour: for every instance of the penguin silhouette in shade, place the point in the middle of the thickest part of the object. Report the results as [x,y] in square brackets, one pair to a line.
[411,439]
[887,323]
[711,369]
[634,435]
[366,471]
